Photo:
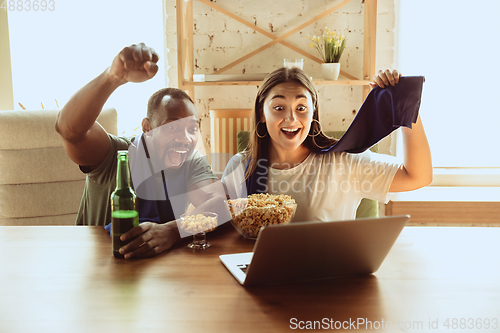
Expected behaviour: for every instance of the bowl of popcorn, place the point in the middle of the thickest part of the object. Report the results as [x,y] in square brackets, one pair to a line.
[198,225]
[250,214]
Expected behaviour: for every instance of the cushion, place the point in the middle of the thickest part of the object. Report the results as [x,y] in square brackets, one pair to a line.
[35,129]
[367,207]
[41,199]
[54,162]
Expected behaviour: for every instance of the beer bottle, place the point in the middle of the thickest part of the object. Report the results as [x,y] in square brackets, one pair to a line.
[124,214]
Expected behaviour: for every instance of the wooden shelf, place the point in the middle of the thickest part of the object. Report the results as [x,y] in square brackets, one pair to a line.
[185,47]
[340,82]
[257,83]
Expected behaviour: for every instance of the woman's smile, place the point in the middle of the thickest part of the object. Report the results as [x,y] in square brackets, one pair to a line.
[290,132]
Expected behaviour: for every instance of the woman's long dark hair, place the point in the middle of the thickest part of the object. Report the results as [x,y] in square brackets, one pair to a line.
[316,138]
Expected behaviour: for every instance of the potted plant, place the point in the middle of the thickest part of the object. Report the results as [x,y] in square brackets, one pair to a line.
[330,46]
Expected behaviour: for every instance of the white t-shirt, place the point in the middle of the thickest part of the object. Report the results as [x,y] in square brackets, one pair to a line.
[326,187]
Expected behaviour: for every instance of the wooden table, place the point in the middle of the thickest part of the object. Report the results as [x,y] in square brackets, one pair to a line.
[64,279]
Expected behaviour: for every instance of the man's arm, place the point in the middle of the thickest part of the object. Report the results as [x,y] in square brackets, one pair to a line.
[84,140]
[150,239]
[208,196]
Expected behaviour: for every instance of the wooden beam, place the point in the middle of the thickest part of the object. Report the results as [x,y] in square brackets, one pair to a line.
[189,46]
[373,35]
[179,9]
[370,42]
[185,55]
[447,213]
[354,82]
[7,92]
[448,205]
[189,39]
[257,29]
[349,76]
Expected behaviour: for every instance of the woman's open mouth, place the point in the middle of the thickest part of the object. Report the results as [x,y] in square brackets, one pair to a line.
[177,156]
[289,132]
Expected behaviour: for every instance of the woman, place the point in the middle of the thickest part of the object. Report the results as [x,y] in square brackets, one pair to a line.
[287,137]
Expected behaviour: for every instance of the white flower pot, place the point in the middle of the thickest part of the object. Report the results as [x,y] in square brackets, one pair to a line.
[330,70]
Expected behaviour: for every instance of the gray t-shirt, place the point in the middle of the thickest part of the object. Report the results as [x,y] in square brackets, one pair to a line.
[95,206]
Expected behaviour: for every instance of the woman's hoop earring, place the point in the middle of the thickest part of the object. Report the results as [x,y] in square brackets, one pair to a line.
[316,144]
[319,131]
[257,130]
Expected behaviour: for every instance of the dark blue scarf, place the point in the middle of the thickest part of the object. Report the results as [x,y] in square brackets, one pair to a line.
[383,111]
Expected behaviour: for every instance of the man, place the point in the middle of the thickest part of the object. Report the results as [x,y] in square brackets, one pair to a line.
[172,119]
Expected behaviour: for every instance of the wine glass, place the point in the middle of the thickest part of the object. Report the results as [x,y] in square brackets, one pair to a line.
[198,225]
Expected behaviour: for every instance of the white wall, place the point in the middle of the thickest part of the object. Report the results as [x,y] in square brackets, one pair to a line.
[219,40]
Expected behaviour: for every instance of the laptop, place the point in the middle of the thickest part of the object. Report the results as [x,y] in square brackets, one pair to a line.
[316,250]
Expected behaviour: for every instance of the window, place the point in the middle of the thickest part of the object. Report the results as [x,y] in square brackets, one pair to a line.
[55,53]
[454,45]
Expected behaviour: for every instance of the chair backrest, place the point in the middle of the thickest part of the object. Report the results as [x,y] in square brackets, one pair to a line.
[225,125]
[39,184]
[367,207]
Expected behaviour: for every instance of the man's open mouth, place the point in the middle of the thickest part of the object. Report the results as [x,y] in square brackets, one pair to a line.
[177,156]
[289,132]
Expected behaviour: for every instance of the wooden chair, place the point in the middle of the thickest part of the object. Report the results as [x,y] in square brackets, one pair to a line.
[225,125]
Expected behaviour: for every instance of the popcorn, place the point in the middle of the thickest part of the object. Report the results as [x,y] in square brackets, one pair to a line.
[198,223]
[258,210]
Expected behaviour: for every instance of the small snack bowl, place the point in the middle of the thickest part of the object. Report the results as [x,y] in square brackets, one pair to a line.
[250,214]
[198,225]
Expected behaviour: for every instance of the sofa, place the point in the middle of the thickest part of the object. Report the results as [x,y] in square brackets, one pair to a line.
[39,184]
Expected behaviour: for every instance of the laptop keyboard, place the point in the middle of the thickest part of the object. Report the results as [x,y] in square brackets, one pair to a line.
[243,267]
